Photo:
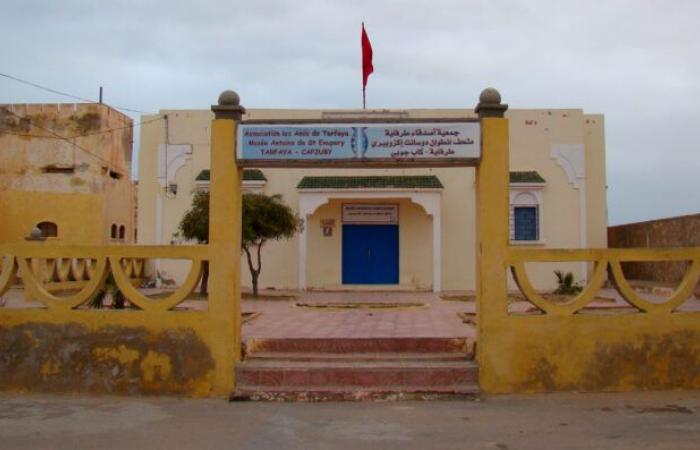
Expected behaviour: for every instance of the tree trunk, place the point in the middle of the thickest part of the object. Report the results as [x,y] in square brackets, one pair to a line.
[254,273]
[204,285]
[255,283]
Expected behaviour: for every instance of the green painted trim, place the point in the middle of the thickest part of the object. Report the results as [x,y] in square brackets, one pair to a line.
[530,176]
[248,175]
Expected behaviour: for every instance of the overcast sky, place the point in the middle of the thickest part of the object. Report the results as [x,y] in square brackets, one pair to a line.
[636,61]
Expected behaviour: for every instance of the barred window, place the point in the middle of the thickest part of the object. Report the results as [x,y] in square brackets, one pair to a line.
[525,212]
[525,223]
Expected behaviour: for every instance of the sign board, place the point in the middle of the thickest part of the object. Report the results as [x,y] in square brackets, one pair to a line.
[358,144]
[356,213]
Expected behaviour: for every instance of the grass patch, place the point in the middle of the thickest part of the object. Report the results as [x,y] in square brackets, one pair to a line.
[193,296]
[244,295]
[514,298]
[359,305]
[268,298]
[459,298]
[247,317]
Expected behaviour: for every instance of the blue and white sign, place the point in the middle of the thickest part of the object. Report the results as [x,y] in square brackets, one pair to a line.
[359,142]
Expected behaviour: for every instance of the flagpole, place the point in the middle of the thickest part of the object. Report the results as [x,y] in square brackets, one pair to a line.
[364,104]
[367,67]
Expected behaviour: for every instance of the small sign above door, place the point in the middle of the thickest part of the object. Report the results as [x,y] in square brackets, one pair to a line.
[355,213]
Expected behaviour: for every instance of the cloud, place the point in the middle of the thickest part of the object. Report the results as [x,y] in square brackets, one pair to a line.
[634,61]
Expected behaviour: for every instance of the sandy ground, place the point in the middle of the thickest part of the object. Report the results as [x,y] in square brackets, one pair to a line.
[653,420]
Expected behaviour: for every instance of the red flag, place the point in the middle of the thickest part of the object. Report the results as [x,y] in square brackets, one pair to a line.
[367,67]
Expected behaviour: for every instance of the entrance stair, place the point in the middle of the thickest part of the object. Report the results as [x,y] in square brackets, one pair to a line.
[330,369]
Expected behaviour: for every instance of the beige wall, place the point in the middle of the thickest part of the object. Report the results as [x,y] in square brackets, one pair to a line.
[597,182]
[533,135]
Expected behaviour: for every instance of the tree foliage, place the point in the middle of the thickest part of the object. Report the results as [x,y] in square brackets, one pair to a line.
[264,218]
[195,223]
[195,226]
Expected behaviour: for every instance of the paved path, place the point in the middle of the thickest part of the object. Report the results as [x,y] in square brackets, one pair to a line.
[658,420]
[285,319]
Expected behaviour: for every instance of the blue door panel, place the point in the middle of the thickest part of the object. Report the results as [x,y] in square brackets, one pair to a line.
[370,254]
[354,255]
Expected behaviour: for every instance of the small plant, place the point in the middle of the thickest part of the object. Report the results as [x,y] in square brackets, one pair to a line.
[566,284]
[108,290]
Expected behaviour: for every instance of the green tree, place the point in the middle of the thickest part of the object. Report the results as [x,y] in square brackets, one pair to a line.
[265,218]
[195,226]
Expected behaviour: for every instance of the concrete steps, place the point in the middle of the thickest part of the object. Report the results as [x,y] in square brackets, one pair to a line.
[356,369]
[361,345]
[344,393]
[356,357]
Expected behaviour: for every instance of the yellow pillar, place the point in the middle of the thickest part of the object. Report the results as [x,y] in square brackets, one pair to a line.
[492,184]
[225,242]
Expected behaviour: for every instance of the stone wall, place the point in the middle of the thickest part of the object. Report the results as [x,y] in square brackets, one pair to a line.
[682,231]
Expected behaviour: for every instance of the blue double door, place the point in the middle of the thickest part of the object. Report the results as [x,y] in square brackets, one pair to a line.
[370,254]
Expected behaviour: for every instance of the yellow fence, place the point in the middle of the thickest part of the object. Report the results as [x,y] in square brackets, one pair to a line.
[651,345]
[606,261]
[151,347]
[148,347]
[69,274]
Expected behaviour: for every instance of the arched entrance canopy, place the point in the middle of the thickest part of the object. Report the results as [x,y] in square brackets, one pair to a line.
[428,199]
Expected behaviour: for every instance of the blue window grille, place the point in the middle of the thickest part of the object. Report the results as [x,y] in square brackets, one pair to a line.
[525,223]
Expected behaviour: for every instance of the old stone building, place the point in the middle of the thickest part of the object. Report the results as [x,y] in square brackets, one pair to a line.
[66,170]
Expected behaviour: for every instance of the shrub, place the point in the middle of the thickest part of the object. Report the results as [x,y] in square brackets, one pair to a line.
[566,284]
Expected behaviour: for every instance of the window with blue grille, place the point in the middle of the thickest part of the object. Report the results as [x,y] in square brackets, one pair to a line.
[525,223]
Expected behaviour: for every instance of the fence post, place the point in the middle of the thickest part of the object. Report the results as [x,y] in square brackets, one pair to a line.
[225,241]
[492,184]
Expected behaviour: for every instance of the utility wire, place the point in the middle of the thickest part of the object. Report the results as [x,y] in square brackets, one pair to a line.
[50,131]
[109,130]
[54,91]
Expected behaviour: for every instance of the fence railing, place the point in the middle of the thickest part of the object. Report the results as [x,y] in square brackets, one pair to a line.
[71,345]
[85,269]
[605,262]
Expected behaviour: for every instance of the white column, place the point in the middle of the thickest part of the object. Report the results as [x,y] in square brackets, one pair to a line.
[160,211]
[430,201]
[572,158]
[437,246]
[582,227]
[302,253]
[308,204]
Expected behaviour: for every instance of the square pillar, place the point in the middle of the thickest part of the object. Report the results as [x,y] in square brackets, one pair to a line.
[225,203]
[492,185]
